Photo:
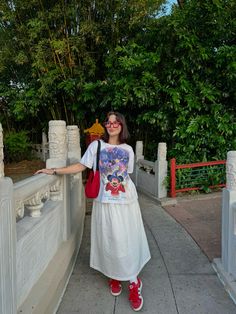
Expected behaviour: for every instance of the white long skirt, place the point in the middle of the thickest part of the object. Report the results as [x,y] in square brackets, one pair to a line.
[119,247]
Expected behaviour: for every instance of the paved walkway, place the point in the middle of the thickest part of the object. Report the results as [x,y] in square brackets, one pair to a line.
[200,215]
[179,278]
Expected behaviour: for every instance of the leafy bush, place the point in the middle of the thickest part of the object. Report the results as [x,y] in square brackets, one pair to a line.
[16,146]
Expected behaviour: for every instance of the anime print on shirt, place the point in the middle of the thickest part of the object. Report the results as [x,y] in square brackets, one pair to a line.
[113,169]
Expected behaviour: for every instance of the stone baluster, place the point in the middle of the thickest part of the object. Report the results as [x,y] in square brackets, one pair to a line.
[7,242]
[55,191]
[161,171]
[34,205]
[148,169]
[229,216]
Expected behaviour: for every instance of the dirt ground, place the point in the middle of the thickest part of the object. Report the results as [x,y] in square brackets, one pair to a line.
[23,169]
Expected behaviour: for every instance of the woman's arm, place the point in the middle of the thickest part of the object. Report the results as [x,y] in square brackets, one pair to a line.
[78,167]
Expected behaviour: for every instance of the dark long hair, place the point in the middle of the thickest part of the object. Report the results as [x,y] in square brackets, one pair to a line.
[124,134]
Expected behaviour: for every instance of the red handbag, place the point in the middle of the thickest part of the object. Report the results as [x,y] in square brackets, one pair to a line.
[92,185]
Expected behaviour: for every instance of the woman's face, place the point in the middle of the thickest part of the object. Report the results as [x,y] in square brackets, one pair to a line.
[113,126]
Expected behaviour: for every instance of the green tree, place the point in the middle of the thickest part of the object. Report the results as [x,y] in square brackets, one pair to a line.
[53,53]
[179,75]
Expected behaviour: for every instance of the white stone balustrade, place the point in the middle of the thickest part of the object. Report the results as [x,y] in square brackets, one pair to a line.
[150,177]
[30,193]
[226,266]
[8,291]
[38,251]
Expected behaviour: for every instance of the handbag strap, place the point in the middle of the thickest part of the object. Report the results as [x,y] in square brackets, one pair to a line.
[98,154]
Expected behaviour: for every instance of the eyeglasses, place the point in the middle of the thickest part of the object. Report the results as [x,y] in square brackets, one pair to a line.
[114,124]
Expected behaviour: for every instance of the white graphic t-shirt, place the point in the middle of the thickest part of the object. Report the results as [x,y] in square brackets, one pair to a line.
[115,164]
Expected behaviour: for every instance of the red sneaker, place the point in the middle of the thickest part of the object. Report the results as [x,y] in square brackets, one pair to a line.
[115,287]
[135,298]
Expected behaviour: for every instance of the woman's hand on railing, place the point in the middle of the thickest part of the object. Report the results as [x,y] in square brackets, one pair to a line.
[46,171]
[71,169]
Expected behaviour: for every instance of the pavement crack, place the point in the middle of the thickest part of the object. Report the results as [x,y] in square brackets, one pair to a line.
[114,308]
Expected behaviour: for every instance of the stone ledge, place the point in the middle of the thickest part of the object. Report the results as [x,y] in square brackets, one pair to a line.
[165,201]
[227,280]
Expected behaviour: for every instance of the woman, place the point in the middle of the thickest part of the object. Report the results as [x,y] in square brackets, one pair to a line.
[119,247]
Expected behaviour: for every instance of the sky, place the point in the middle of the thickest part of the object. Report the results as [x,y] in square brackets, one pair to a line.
[168,6]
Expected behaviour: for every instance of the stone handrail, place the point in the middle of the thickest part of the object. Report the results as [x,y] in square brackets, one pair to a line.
[30,192]
[149,176]
[146,165]
[226,265]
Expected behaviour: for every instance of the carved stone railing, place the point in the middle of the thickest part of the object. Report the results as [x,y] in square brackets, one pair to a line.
[146,165]
[149,176]
[31,193]
[41,226]
[226,265]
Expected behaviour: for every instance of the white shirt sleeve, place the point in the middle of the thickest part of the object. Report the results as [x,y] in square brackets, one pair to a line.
[131,161]
[88,159]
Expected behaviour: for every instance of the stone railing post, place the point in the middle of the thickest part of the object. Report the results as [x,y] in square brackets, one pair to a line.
[138,155]
[139,150]
[229,216]
[7,242]
[57,136]
[58,151]
[77,197]
[74,150]
[44,146]
[161,171]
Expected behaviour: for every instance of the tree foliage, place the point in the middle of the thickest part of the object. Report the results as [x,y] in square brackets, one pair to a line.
[52,52]
[173,76]
[179,75]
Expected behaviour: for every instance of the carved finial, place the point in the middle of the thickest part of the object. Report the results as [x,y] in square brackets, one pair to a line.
[161,152]
[57,139]
[231,170]
[139,150]
[73,134]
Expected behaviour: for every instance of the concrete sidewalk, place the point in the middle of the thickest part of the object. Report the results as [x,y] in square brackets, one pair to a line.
[179,278]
